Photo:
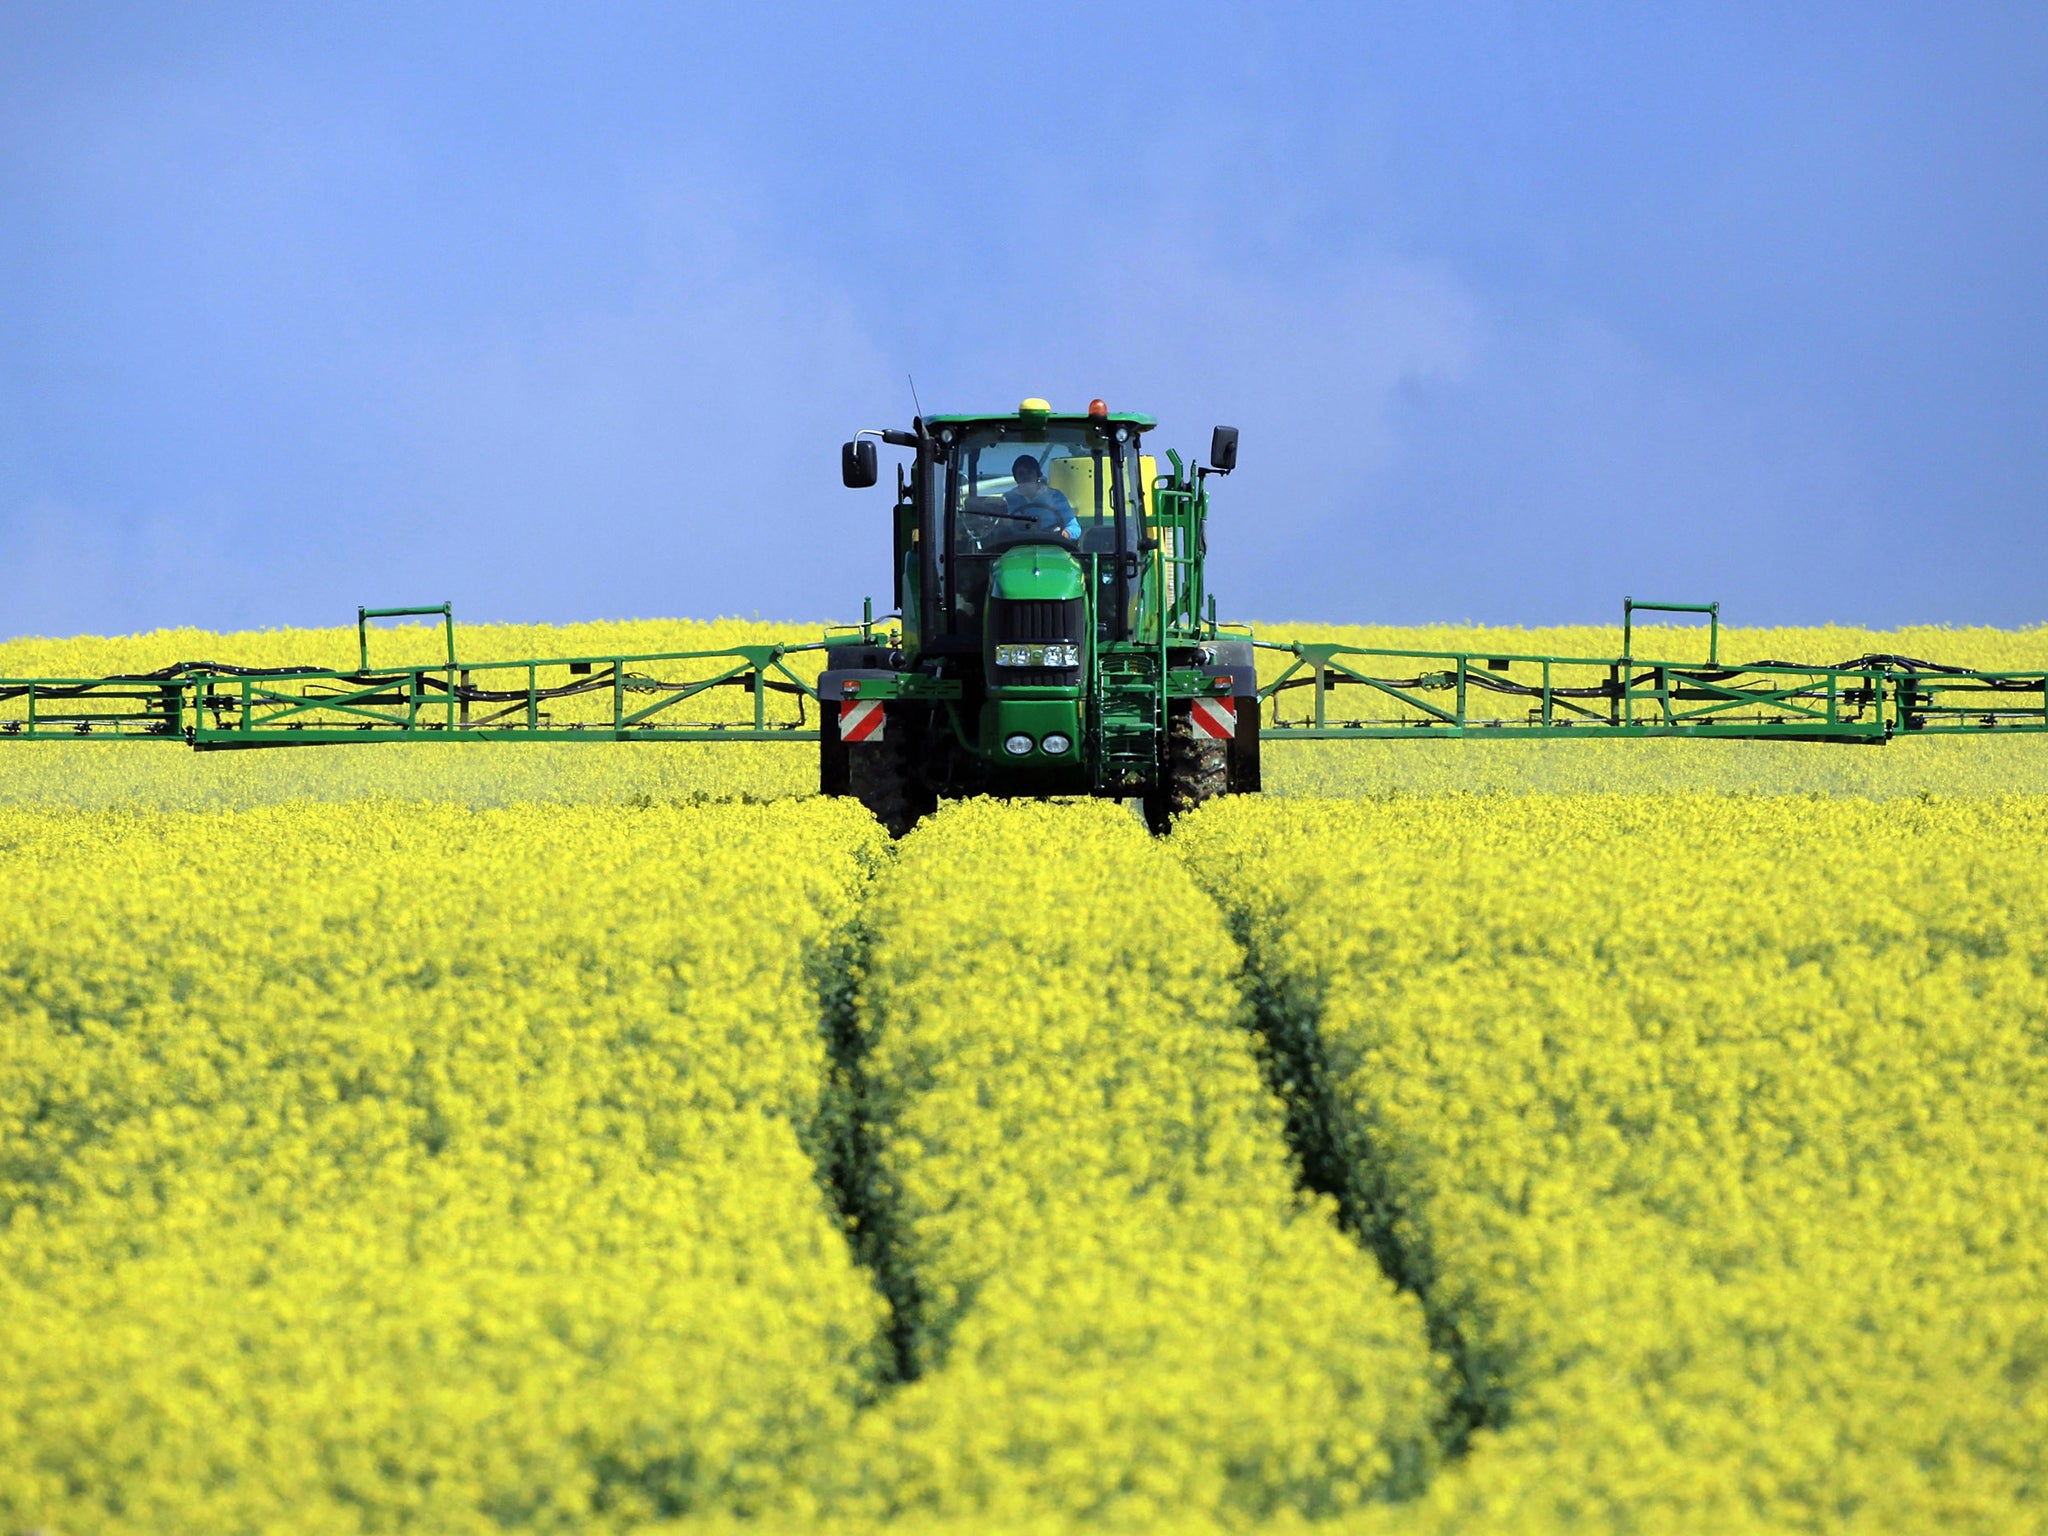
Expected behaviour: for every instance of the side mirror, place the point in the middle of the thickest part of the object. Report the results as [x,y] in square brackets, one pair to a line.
[857,463]
[1223,450]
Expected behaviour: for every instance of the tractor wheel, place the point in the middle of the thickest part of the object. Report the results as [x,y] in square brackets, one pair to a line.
[883,778]
[1243,750]
[832,753]
[1197,768]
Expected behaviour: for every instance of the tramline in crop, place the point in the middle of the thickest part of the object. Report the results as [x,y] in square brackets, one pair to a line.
[1123,1309]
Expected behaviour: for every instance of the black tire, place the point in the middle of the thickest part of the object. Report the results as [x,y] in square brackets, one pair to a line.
[883,777]
[1245,774]
[832,764]
[1197,768]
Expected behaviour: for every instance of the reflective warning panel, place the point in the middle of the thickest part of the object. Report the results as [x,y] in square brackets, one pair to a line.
[861,720]
[1215,718]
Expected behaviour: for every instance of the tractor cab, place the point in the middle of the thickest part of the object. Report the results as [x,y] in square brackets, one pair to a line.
[1072,486]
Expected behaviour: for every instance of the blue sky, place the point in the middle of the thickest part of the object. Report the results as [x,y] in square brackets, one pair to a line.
[562,312]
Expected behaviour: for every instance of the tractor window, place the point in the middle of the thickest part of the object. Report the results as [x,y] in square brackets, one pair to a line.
[1013,483]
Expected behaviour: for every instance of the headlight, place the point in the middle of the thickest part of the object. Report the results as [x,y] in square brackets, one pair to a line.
[1017,745]
[1056,745]
[1061,653]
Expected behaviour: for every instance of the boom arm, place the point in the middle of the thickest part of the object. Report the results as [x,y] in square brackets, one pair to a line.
[212,705]
[1322,692]
[1429,693]
[1449,693]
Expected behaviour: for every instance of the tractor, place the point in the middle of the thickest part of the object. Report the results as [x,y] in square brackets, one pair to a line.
[1054,635]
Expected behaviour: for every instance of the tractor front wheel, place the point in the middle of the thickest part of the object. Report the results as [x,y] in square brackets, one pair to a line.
[1196,768]
[832,753]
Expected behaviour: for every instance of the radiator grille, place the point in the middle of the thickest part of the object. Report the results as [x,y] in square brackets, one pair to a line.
[1036,621]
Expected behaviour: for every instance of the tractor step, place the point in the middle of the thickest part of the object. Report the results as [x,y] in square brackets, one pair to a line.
[1129,715]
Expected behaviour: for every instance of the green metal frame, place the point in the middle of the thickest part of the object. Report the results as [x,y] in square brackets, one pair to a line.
[635,698]
[1869,701]
[1630,608]
[364,615]
[1131,686]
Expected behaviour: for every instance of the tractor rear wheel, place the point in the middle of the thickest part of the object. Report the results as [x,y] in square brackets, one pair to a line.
[1243,750]
[1196,768]
[883,777]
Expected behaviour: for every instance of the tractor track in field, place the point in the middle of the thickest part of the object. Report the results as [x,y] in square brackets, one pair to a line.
[1338,1158]
[1333,1156]
[846,1150]
[1056,1152]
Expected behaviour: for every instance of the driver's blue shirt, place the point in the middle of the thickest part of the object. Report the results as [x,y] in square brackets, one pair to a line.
[1050,508]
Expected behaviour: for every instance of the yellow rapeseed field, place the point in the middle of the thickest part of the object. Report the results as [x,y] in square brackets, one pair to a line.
[376,1168]
[600,1137]
[392,643]
[1820,644]
[1123,1310]
[1714,1127]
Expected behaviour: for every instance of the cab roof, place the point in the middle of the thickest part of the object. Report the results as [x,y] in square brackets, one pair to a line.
[1061,418]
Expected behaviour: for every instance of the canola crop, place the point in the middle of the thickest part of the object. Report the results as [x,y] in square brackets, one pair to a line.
[2016,650]
[1710,1129]
[478,1161]
[391,644]
[109,775]
[1121,1310]
[1905,767]
[399,1168]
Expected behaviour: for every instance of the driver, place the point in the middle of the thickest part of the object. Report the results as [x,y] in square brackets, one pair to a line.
[1032,498]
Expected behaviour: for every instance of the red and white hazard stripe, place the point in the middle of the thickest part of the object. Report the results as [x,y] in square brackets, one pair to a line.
[861,720]
[1216,718]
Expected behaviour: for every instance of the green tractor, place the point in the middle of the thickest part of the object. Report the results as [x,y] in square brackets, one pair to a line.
[1056,635]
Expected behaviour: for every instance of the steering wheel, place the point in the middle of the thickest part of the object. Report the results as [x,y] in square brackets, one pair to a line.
[978,506]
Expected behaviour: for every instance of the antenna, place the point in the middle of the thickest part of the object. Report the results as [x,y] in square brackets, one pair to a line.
[913,397]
